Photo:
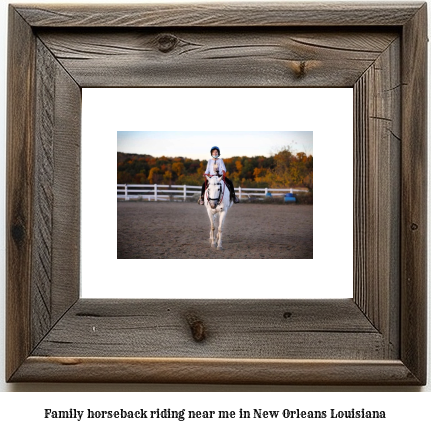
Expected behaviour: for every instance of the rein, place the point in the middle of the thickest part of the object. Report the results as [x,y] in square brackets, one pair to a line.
[220,195]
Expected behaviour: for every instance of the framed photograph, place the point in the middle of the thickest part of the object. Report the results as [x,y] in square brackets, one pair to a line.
[377,337]
[169,174]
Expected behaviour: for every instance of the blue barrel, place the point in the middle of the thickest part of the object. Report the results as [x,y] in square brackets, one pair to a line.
[268,195]
[289,197]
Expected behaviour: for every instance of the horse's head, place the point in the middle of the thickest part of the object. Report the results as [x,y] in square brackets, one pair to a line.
[214,191]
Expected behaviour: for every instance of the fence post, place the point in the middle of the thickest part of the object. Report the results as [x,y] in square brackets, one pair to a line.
[266,191]
[155,192]
[126,198]
[185,192]
[239,192]
[291,190]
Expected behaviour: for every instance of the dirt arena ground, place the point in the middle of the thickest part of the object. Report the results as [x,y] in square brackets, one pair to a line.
[174,230]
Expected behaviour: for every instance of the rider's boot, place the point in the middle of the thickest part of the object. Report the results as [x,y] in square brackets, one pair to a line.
[235,199]
[201,200]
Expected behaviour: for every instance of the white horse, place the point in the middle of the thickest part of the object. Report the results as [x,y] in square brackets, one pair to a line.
[217,201]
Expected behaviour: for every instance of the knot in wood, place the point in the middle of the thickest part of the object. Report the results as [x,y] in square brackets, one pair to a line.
[18,233]
[167,42]
[197,328]
[414,226]
[300,69]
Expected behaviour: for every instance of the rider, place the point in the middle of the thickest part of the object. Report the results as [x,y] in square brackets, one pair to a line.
[216,166]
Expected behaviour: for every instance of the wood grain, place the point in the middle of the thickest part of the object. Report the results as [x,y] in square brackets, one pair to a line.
[377,99]
[216,58]
[55,279]
[216,371]
[19,200]
[413,194]
[44,196]
[67,194]
[234,329]
[221,15]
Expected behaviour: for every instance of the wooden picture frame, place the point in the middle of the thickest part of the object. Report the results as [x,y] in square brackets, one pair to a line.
[376,338]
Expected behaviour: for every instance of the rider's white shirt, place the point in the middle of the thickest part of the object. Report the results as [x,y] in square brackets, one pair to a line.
[210,166]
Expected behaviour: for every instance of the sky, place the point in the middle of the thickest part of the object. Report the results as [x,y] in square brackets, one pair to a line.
[197,145]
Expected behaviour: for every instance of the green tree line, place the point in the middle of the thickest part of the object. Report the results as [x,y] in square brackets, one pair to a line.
[283,169]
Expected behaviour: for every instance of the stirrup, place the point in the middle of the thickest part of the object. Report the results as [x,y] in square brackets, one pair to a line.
[235,199]
[201,201]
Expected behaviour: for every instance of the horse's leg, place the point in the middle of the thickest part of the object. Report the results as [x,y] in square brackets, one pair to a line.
[212,239]
[211,227]
[220,230]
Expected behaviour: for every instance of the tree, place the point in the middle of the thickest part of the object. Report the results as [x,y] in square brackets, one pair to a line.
[238,166]
[167,177]
[153,175]
[178,168]
[140,178]
[281,170]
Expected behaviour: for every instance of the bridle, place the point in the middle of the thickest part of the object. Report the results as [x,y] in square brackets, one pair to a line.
[219,198]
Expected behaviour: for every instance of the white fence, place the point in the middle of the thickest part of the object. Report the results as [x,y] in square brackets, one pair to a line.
[161,192]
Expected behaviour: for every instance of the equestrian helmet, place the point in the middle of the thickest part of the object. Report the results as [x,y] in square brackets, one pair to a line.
[215,148]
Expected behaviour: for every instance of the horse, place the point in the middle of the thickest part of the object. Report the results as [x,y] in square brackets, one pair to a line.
[217,201]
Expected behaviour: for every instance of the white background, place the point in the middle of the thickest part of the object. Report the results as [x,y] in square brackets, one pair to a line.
[326,112]
[407,409]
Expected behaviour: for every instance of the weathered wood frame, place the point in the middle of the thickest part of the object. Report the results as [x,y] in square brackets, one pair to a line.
[378,337]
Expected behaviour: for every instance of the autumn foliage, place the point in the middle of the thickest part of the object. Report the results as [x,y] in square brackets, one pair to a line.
[283,169]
